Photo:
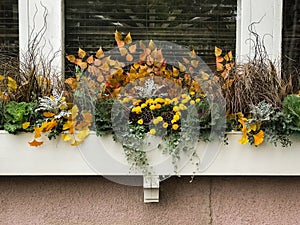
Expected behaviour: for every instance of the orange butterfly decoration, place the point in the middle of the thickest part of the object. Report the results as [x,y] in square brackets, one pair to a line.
[125,51]
[120,41]
[223,64]
[35,143]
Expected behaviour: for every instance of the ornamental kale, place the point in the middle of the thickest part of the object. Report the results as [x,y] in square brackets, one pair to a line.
[18,113]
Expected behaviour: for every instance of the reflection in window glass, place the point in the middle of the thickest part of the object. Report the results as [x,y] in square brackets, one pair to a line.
[9,27]
[291,42]
[199,25]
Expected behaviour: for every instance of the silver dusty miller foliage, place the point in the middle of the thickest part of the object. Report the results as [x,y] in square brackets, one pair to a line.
[149,90]
[54,104]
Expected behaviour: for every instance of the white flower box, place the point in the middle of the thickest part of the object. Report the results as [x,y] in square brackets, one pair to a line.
[102,156]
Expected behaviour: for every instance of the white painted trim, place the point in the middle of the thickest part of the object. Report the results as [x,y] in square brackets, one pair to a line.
[23,26]
[151,189]
[277,32]
[62,8]
[243,18]
[31,18]
[269,28]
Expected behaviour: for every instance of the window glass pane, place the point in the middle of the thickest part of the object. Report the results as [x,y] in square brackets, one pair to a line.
[198,24]
[9,27]
[291,42]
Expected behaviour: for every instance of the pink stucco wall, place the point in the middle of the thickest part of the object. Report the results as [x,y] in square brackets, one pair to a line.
[96,200]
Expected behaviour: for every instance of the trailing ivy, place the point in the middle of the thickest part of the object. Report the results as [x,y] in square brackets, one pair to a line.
[2,110]
[103,121]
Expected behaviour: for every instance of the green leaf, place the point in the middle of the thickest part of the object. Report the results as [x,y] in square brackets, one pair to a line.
[291,107]
[17,113]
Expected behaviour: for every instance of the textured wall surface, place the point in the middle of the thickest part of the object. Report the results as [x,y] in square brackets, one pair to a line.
[96,200]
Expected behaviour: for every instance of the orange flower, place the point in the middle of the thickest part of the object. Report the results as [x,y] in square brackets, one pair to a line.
[35,143]
[51,125]
[258,138]
[48,114]
[158,106]
[244,139]
[37,132]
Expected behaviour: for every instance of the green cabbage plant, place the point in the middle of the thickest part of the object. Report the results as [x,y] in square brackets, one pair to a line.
[291,107]
[18,113]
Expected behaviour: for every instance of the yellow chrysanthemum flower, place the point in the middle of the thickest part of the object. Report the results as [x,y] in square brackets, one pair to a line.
[184,95]
[143,105]
[175,101]
[138,110]
[197,100]
[192,102]
[160,118]
[155,121]
[182,107]
[152,107]
[184,101]
[149,101]
[176,117]
[165,125]
[159,100]
[175,126]
[140,121]
[137,102]
[168,101]
[188,97]
[175,108]
[152,131]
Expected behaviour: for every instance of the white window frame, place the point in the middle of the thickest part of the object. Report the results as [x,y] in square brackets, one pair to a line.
[268,12]
[31,19]
[269,15]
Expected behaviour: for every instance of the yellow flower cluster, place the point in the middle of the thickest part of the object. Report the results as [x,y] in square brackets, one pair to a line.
[157,120]
[137,109]
[162,105]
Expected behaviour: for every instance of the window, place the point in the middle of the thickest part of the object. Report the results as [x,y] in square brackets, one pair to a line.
[9,27]
[291,41]
[198,24]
